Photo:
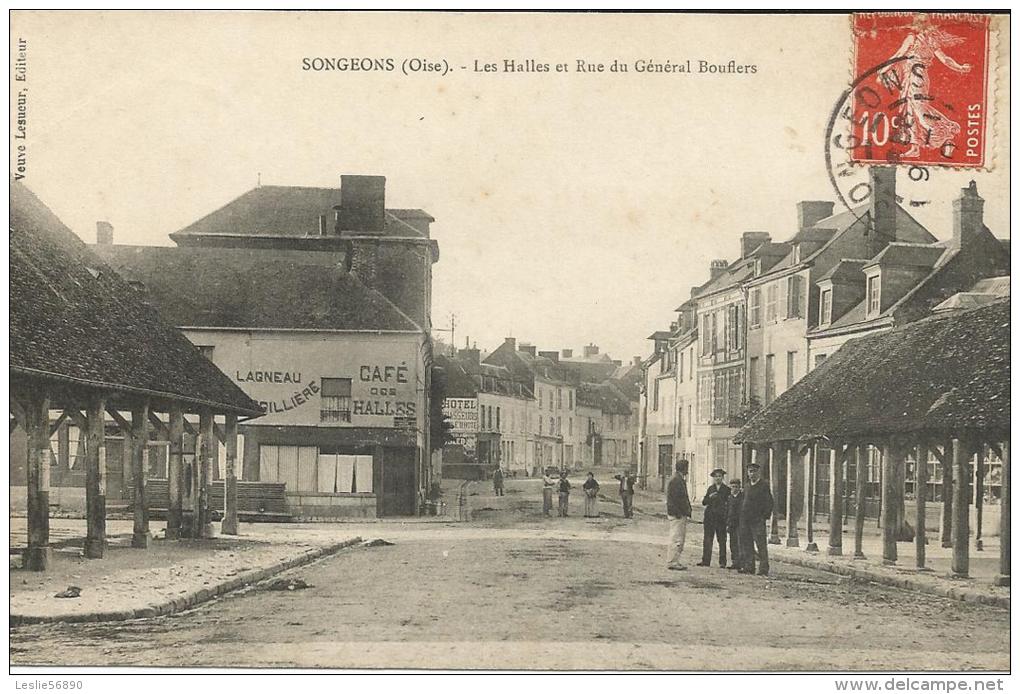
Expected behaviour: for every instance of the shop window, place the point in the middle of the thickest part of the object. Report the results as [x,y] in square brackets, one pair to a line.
[336,400]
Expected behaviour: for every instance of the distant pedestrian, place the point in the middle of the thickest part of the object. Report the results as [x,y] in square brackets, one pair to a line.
[678,511]
[627,480]
[563,487]
[754,511]
[497,481]
[548,485]
[591,496]
[733,523]
[715,501]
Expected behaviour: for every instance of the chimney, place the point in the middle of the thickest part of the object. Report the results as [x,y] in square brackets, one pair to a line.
[591,350]
[512,341]
[551,355]
[810,212]
[568,353]
[104,234]
[528,349]
[750,240]
[473,356]
[362,206]
[637,361]
[968,216]
[882,209]
[716,268]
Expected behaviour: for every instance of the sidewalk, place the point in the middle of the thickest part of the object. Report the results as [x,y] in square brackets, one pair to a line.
[984,565]
[166,578]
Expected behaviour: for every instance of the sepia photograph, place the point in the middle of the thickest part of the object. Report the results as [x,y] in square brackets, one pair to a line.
[510,342]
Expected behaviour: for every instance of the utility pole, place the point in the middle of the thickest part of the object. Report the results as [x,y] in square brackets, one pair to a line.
[452,330]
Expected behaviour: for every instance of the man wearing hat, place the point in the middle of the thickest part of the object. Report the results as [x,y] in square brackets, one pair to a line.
[754,512]
[678,511]
[715,501]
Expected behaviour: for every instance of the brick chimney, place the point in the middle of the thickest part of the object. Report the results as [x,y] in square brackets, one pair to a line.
[637,361]
[527,349]
[810,212]
[968,216]
[512,342]
[716,268]
[551,355]
[881,208]
[591,350]
[104,234]
[362,208]
[750,240]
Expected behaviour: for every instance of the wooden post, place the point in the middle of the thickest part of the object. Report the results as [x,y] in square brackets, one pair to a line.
[861,452]
[207,456]
[947,494]
[961,510]
[836,486]
[175,473]
[95,478]
[811,461]
[1003,578]
[229,526]
[979,495]
[892,461]
[794,495]
[38,554]
[776,455]
[920,499]
[139,437]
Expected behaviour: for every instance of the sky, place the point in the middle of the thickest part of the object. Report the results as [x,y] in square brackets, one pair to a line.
[571,208]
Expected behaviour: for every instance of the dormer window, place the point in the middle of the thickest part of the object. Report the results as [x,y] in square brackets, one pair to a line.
[825,309]
[874,294]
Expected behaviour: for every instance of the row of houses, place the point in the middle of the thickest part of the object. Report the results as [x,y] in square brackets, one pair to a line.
[315,303]
[762,321]
[526,410]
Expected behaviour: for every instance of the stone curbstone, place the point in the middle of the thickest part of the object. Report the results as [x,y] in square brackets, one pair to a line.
[190,600]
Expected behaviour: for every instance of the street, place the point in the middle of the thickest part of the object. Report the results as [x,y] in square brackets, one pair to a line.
[513,589]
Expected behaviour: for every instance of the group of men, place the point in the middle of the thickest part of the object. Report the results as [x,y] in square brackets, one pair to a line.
[740,514]
[561,487]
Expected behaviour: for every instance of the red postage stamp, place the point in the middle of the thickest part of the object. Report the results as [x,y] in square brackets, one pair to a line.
[920,93]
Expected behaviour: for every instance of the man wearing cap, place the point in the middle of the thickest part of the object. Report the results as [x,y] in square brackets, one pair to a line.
[715,501]
[754,512]
[678,511]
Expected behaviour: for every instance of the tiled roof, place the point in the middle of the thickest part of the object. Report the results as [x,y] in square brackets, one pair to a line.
[604,397]
[940,374]
[249,288]
[291,211]
[75,320]
[847,268]
[908,254]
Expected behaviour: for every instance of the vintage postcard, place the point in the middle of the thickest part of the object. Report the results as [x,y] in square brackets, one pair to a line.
[511,341]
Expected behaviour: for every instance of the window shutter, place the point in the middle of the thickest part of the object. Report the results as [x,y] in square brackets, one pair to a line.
[784,297]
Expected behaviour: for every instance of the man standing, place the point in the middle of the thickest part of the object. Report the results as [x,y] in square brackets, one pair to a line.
[715,501]
[627,480]
[497,481]
[548,484]
[733,523]
[678,511]
[564,492]
[754,512]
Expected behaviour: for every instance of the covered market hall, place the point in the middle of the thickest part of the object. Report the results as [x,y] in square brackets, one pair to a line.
[87,352]
[920,408]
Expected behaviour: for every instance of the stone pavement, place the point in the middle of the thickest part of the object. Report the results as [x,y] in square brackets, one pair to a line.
[168,577]
[979,587]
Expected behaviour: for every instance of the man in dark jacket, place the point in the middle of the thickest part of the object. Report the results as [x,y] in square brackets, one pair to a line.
[627,480]
[678,511]
[716,498]
[754,512]
[733,523]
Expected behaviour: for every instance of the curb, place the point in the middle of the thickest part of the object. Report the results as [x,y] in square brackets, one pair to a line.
[958,593]
[190,600]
